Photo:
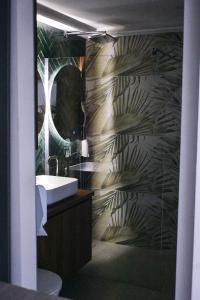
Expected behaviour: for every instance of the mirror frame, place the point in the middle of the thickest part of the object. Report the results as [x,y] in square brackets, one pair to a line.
[75,67]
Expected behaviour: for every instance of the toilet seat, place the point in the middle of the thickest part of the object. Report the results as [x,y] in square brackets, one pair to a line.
[48,282]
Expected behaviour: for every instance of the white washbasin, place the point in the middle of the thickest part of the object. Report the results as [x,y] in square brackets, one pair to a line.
[57,187]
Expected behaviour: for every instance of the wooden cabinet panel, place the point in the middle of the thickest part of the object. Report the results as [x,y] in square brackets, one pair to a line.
[67,247]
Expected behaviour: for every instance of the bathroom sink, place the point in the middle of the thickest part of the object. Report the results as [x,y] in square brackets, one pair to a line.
[57,187]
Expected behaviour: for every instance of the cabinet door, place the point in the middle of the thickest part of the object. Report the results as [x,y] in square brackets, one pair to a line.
[67,247]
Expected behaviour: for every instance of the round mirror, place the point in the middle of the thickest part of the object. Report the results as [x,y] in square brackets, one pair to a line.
[40,102]
[66,97]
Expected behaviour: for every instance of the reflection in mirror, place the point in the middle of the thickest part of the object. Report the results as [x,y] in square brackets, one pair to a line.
[41,103]
[66,97]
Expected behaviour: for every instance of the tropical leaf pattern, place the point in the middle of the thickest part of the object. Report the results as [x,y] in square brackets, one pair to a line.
[132,123]
[54,53]
[133,116]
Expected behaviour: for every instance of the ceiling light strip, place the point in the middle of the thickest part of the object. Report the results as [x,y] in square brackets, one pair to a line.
[48,13]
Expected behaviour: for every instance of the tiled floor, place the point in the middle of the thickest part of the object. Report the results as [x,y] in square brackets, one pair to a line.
[119,272]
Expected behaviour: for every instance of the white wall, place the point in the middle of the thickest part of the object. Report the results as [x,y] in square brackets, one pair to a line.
[196,252]
[188,157]
[23,236]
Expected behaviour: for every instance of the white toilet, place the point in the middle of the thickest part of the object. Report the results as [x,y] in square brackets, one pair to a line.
[48,282]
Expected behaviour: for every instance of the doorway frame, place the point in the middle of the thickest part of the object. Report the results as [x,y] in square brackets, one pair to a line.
[22,154]
[188,237]
[5,137]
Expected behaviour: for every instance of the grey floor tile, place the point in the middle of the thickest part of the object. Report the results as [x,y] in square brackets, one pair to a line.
[121,272]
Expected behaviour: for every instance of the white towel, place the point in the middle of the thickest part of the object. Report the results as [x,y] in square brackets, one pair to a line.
[41,210]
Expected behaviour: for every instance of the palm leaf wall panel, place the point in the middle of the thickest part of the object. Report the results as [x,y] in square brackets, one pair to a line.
[133,110]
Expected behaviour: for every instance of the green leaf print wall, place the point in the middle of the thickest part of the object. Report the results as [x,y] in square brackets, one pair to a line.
[133,109]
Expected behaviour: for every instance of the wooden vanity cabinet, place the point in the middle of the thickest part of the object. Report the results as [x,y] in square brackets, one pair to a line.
[67,248]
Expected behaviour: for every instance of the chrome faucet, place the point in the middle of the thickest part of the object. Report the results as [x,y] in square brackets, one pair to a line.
[54,157]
